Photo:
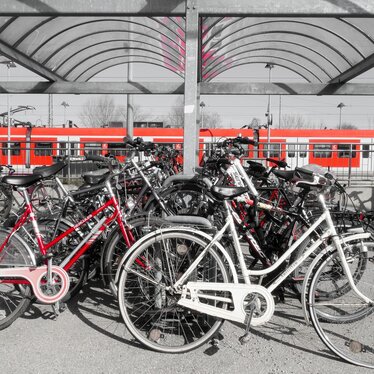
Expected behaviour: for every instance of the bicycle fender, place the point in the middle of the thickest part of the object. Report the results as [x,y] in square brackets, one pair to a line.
[189,230]
[330,248]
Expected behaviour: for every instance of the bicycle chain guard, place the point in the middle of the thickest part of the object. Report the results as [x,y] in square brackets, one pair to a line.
[238,294]
[45,293]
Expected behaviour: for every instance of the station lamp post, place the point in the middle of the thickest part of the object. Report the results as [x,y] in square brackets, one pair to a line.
[65,104]
[202,106]
[268,114]
[340,106]
[9,65]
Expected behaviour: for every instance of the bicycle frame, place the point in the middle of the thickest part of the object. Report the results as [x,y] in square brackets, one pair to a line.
[190,291]
[86,243]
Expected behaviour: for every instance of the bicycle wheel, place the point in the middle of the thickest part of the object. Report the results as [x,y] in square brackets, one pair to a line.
[6,201]
[182,199]
[46,198]
[14,298]
[352,250]
[115,248]
[341,318]
[148,305]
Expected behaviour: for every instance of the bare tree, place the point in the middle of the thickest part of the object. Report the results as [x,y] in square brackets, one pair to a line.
[255,123]
[348,126]
[98,112]
[176,116]
[296,121]
[212,120]
[139,115]
[101,111]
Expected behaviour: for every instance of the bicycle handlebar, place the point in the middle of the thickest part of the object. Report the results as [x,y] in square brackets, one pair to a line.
[139,143]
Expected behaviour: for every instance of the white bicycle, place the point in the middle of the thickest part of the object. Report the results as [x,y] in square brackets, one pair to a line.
[178,285]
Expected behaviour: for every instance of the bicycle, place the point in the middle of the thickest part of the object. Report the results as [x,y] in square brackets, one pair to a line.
[25,272]
[190,285]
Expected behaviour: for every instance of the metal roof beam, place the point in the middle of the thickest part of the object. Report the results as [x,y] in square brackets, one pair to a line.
[92,7]
[218,88]
[177,7]
[135,88]
[30,64]
[175,88]
[355,70]
[275,8]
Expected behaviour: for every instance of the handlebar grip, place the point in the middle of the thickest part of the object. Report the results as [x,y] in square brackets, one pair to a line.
[128,141]
[245,140]
[280,163]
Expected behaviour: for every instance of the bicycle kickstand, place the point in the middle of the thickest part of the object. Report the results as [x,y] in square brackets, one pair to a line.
[58,307]
[245,338]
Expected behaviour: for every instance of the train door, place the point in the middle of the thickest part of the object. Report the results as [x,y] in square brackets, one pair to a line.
[297,152]
[275,150]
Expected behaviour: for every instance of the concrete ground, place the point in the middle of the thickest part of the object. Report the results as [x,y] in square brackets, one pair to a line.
[89,337]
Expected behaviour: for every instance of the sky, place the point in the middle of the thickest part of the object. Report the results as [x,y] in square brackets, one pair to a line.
[234,111]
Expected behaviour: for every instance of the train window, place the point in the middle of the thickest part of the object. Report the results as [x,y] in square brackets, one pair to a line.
[15,149]
[116,149]
[291,150]
[74,148]
[43,149]
[92,148]
[303,150]
[62,148]
[346,150]
[365,150]
[274,151]
[322,150]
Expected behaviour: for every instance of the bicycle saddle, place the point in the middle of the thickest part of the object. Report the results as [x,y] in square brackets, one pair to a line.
[95,176]
[47,171]
[21,180]
[226,193]
[284,174]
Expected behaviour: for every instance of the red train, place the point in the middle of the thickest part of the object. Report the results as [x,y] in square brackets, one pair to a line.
[330,148]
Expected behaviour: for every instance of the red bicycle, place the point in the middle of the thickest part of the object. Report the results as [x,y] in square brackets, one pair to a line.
[25,273]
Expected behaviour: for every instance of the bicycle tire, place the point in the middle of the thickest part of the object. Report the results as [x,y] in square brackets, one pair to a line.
[298,273]
[6,201]
[14,299]
[342,320]
[182,199]
[149,310]
[115,247]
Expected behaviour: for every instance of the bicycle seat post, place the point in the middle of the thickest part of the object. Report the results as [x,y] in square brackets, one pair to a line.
[33,220]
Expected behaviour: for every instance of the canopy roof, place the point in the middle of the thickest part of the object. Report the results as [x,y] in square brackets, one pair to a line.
[75,49]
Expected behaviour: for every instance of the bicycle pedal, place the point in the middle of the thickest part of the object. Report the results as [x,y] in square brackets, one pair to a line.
[279,299]
[214,348]
[63,306]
